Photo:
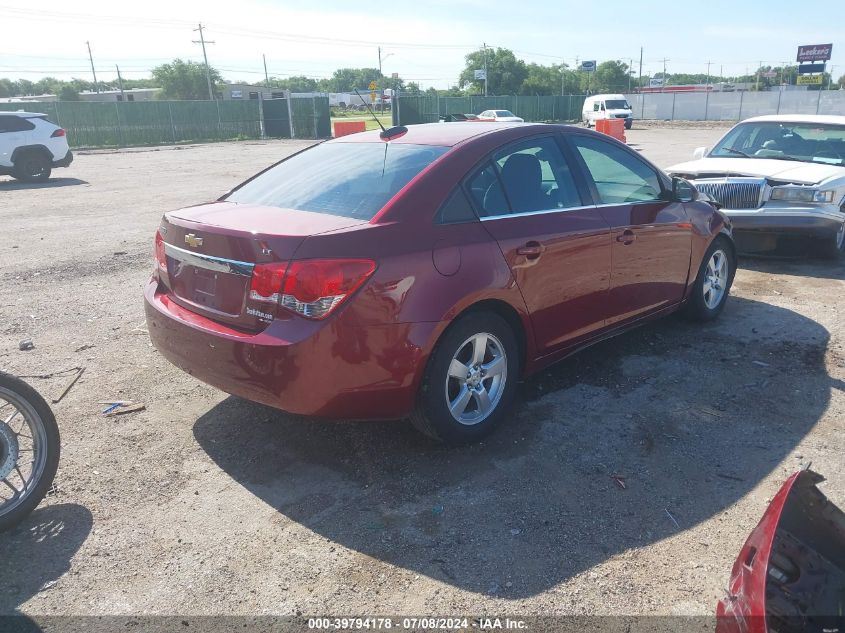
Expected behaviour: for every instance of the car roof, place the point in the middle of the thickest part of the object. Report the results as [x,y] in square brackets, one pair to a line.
[23,114]
[443,134]
[798,118]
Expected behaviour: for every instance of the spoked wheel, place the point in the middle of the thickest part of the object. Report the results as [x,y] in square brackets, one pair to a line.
[834,247]
[470,379]
[29,450]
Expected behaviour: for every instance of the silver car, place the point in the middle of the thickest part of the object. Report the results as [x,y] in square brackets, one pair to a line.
[777,175]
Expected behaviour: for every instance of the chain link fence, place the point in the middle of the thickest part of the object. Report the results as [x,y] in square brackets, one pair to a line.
[429,108]
[134,123]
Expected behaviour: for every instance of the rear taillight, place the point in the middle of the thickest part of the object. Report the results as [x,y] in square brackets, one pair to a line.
[58,133]
[313,288]
[266,283]
[161,257]
[310,288]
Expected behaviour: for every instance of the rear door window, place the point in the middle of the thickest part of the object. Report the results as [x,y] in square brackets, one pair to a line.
[15,124]
[353,180]
[487,193]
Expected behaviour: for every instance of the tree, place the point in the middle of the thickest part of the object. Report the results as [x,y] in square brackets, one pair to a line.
[68,93]
[412,88]
[184,80]
[299,83]
[610,76]
[7,88]
[505,73]
[841,82]
[549,80]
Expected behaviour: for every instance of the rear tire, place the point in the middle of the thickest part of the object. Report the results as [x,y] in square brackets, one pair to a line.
[32,167]
[470,380]
[628,124]
[713,283]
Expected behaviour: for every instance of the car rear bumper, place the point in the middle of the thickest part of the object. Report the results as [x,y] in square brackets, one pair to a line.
[64,162]
[795,221]
[334,369]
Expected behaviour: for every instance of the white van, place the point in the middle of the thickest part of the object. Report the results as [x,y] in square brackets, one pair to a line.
[607,107]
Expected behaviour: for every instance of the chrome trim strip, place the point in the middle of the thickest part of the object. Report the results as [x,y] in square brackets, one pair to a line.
[217,264]
[543,212]
[566,209]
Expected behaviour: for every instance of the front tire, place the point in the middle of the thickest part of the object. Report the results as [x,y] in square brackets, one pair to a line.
[713,283]
[470,380]
[29,449]
[32,167]
[628,124]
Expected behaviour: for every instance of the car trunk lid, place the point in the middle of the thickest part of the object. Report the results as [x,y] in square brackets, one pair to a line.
[212,250]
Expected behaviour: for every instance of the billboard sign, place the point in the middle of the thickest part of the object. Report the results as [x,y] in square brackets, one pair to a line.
[806,69]
[809,80]
[480,74]
[588,66]
[814,53]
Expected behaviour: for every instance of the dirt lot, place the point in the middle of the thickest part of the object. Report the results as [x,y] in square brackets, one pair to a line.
[207,504]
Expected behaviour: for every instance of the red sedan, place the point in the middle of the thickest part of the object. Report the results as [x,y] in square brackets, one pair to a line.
[421,272]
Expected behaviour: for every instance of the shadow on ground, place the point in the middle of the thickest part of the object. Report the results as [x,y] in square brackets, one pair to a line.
[680,411]
[36,553]
[12,185]
[804,263]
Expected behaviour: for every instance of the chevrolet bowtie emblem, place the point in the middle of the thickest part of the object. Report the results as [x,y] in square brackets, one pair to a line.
[193,240]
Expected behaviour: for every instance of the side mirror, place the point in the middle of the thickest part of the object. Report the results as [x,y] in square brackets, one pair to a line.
[683,190]
[700,152]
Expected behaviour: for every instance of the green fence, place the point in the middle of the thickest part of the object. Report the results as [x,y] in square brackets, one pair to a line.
[124,124]
[428,109]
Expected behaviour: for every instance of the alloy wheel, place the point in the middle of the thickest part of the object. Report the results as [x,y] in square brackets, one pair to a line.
[476,378]
[715,279]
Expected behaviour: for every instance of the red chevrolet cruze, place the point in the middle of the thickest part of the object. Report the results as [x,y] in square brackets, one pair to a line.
[421,272]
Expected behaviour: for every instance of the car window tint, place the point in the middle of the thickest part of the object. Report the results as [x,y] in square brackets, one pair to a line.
[619,176]
[15,124]
[536,177]
[456,209]
[353,180]
[486,192]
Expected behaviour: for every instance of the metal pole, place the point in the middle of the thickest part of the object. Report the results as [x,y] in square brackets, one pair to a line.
[485,69]
[290,113]
[640,80]
[93,72]
[741,93]
[674,97]
[205,58]
[119,130]
[172,125]
[266,76]
[119,79]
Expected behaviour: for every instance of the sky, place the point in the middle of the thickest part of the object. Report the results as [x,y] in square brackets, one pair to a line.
[424,41]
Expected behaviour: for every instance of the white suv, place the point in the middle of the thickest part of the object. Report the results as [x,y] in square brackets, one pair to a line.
[30,146]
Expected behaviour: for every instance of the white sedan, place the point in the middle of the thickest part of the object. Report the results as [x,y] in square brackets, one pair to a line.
[777,175]
[500,116]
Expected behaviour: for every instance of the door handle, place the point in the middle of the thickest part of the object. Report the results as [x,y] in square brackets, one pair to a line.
[531,250]
[626,237]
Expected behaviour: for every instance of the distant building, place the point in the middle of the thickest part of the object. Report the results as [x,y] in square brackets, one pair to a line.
[132,94]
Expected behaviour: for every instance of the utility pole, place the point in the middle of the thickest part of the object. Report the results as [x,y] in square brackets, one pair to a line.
[379,60]
[93,72]
[664,60]
[562,78]
[640,80]
[757,82]
[485,68]
[708,73]
[630,74]
[266,76]
[202,41]
[119,79]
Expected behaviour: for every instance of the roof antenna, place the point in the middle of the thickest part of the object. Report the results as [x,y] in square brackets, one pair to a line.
[386,134]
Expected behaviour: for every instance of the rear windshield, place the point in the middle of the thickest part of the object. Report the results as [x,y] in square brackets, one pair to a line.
[353,180]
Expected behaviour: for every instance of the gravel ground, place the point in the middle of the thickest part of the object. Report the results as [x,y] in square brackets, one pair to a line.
[208,504]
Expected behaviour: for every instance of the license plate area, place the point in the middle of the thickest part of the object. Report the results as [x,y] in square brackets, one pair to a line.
[212,284]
